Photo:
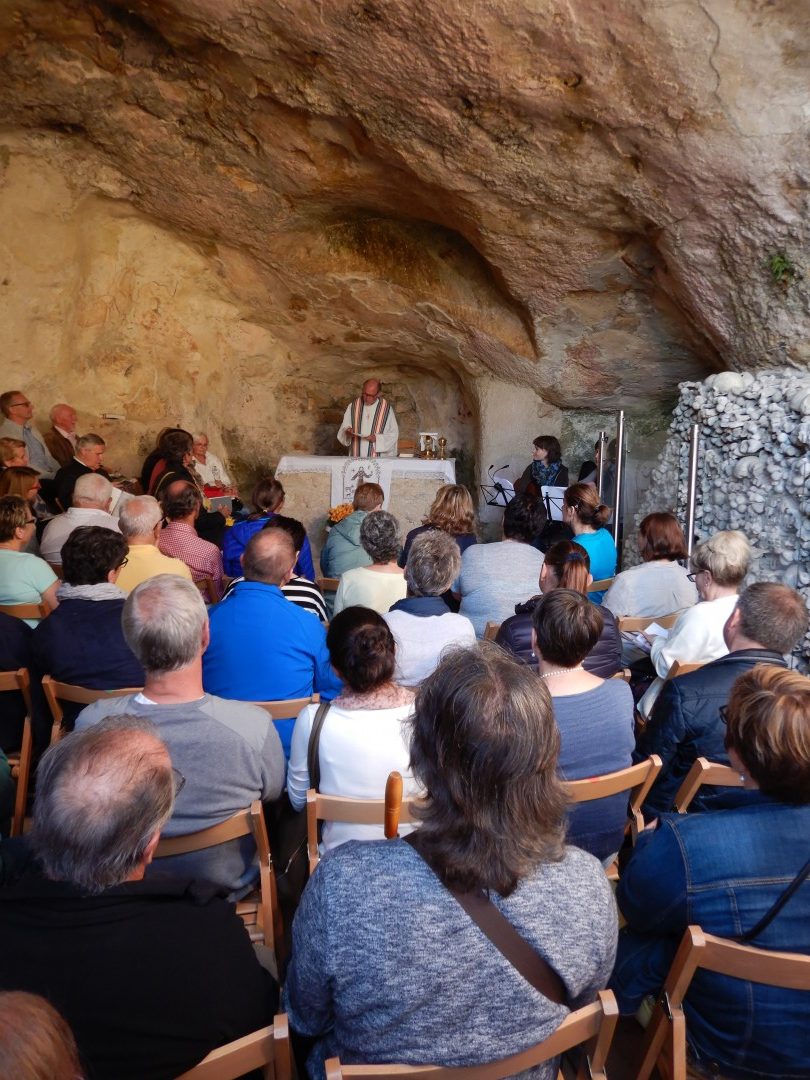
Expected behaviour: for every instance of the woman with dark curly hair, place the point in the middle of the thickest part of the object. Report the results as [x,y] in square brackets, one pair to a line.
[381,584]
[364,735]
[386,963]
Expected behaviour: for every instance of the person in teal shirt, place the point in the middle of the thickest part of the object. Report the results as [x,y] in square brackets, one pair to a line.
[587,516]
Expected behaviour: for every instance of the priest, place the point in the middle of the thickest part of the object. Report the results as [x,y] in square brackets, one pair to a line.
[369,426]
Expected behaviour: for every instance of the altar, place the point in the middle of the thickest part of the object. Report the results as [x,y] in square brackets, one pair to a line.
[314,484]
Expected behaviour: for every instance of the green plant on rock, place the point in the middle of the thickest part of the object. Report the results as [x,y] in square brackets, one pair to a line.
[783,270]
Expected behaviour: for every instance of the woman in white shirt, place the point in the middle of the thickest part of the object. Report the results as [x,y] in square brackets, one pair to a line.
[719,566]
[659,584]
[380,585]
[366,732]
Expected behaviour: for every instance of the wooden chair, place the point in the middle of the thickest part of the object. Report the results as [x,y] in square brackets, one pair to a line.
[327,584]
[259,911]
[388,812]
[491,631]
[625,674]
[637,780]
[666,1033]
[79,695]
[703,772]
[267,1049]
[20,761]
[208,590]
[285,709]
[593,1024]
[680,667]
[629,623]
[26,611]
[602,585]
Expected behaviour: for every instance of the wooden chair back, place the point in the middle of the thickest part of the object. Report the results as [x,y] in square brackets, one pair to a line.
[259,911]
[594,1024]
[208,590]
[637,780]
[625,674]
[680,667]
[491,631]
[286,709]
[602,585]
[80,695]
[388,812]
[20,761]
[703,772]
[666,1032]
[630,623]
[267,1049]
[328,584]
[26,611]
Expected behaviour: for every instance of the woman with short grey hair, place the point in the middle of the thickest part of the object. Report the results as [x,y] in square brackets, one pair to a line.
[383,583]
[422,624]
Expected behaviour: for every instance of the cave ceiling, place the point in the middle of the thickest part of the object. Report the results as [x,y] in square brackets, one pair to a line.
[585,198]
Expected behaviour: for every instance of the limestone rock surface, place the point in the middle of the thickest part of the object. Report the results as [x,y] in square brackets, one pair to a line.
[225,212]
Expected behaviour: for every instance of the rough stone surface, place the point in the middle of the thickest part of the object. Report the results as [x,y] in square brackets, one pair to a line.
[226,212]
[753,469]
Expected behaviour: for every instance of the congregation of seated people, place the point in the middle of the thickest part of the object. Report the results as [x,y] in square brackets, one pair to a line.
[215,679]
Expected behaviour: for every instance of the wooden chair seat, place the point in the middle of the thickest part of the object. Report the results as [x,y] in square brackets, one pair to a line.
[389,812]
[631,623]
[20,762]
[665,1041]
[80,695]
[289,708]
[594,1025]
[267,1049]
[259,911]
[703,772]
[26,611]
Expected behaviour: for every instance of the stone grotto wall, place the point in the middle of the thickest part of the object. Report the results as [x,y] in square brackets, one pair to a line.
[753,469]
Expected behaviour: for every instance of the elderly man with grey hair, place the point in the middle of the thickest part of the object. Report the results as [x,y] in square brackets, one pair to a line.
[92,498]
[87,458]
[141,520]
[61,438]
[422,624]
[83,924]
[228,750]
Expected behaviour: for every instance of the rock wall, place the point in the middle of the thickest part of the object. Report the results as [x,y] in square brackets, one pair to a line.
[753,468]
[227,214]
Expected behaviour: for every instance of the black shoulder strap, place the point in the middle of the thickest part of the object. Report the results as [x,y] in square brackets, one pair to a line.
[521,955]
[770,915]
[313,757]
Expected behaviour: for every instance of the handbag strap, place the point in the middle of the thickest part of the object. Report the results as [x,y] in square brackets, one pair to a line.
[512,945]
[771,914]
[313,756]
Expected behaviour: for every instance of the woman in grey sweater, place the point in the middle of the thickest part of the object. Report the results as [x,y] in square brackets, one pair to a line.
[386,964]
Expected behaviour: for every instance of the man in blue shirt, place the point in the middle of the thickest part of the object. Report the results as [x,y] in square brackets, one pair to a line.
[263,647]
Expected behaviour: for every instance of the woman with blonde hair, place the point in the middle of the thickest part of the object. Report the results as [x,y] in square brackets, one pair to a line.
[36,1042]
[12,452]
[718,566]
[587,517]
[453,512]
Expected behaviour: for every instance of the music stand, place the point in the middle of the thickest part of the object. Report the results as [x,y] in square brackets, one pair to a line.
[499,491]
[553,498]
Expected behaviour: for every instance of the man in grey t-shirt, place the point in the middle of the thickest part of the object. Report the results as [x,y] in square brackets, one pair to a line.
[228,751]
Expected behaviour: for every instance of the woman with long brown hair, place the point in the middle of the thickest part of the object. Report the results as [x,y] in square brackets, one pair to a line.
[566,566]
[386,963]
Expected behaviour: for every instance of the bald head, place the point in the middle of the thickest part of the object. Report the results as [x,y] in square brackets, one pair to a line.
[181,501]
[103,795]
[64,416]
[371,390]
[269,557]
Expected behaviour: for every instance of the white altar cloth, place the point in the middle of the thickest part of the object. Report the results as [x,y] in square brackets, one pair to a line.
[347,472]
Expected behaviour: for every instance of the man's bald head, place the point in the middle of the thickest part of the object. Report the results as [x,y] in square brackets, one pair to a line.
[371,390]
[269,557]
[63,416]
[181,500]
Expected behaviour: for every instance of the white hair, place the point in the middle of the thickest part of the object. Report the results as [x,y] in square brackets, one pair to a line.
[139,516]
[163,620]
[92,488]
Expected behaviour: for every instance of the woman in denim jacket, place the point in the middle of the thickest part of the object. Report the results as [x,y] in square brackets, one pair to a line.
[723,870]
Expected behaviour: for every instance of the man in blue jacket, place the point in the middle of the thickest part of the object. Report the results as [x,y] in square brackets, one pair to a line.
[263,647]
[685,724]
